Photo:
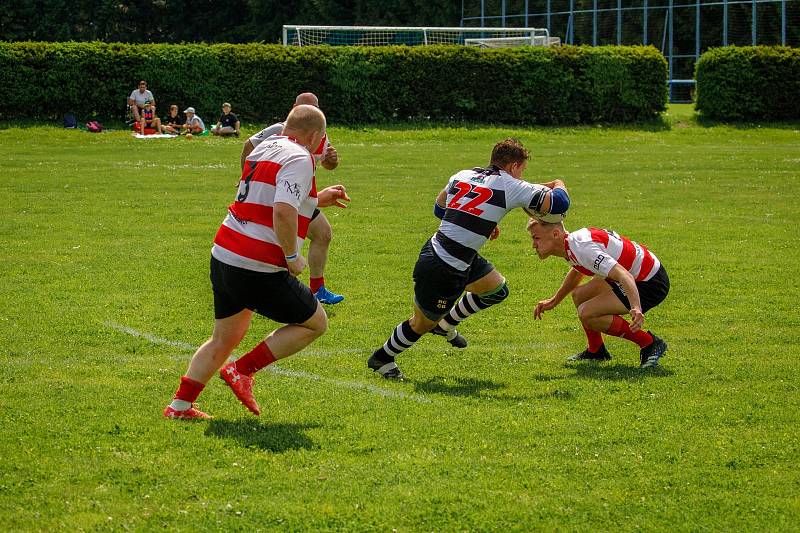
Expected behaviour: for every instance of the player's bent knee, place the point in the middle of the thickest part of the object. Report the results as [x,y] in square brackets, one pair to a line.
[495,296]
[325,232]
[583,312]
[576,298]
[225,343]
[420,325]
[325,235]
[320,230]
[318,323]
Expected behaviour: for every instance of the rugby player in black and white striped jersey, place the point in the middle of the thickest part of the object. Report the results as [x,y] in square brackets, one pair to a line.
[470,207]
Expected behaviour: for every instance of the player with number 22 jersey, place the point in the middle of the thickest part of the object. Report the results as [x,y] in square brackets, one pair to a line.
[470,207]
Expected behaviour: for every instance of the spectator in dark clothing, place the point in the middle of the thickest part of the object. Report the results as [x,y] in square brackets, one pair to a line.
[173,121]
[228,123]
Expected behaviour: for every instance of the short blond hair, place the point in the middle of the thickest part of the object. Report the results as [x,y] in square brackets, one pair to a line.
[533,221]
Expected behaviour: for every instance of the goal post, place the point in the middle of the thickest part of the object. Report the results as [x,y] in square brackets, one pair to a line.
[414,36]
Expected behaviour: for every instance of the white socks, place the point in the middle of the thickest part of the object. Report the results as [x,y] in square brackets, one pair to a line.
[180,405]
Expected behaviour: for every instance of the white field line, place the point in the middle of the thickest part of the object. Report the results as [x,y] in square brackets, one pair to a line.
[149,337]
[354,385]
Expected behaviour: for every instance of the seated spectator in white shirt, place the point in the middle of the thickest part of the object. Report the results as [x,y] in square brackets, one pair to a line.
[194,124]
[138,98]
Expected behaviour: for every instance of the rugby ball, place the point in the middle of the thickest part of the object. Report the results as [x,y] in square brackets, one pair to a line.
[550,218]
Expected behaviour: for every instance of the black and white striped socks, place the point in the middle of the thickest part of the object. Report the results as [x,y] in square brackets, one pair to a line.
[401,339]
[468,305]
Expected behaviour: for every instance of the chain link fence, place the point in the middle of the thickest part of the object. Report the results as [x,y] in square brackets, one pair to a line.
[681,29]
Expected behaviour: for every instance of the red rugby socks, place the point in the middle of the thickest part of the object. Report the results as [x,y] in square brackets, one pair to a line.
[595,339]
[316,283]
[256,359]
[620,328]
[189,390]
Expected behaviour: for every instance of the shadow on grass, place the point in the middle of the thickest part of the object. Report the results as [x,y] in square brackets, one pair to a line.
[617,372]
[456,386]
[463,387]
[275,438]
[556,394]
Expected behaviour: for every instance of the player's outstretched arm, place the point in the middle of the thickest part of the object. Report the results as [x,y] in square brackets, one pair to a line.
[624,278]
[333,195]
[571,281]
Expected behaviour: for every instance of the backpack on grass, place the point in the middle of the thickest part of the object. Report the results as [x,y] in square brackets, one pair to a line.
[70,121]
[94,127]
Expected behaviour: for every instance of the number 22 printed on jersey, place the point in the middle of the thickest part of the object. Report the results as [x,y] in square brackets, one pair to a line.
[482,195]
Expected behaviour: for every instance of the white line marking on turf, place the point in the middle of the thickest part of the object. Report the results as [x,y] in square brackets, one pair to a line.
[355,385]
[151,338]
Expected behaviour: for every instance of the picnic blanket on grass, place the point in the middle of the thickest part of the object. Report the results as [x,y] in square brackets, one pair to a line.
[155,136]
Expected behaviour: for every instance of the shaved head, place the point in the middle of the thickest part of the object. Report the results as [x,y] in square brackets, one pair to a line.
[305,118]
[306,99]
[307,124]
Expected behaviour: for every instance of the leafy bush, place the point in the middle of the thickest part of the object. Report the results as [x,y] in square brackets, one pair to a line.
[749,83]
[356,84]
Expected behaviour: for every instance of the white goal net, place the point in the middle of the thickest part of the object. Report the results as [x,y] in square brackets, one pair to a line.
[410,36]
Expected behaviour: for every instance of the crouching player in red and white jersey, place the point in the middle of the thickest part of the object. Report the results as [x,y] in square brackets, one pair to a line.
[629,279]
[255,261]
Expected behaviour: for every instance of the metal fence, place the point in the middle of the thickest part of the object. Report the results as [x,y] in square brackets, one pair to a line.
[681,29]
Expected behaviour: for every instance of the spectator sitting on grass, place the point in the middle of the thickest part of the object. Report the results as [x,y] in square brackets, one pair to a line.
[137,99]
[149,118]
[228,123]
[172,122]
[194,124]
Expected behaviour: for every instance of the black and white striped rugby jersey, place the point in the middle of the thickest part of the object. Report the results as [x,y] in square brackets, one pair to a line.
[477,200]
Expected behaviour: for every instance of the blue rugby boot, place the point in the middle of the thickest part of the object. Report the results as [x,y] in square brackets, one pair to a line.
[327,297]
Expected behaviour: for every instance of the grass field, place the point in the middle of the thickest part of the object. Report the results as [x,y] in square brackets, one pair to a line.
[105,292]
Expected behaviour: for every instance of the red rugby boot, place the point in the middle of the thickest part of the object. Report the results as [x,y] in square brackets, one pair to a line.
[241,385]
[191,413]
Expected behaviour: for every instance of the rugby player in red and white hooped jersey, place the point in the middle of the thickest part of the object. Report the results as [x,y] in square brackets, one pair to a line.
[627,278]
[320,232]
[255,261]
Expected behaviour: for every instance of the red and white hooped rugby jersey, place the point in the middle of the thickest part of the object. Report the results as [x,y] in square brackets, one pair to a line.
[593,251]
[277,128]
[278,170]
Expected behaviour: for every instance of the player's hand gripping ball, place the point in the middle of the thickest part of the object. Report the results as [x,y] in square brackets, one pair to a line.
[559,204]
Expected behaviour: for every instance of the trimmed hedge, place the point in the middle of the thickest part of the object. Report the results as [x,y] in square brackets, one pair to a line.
[563,85]
[749,83]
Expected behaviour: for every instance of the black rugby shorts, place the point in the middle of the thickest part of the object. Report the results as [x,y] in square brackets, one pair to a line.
[277,296]
[437,285]
[651,292]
